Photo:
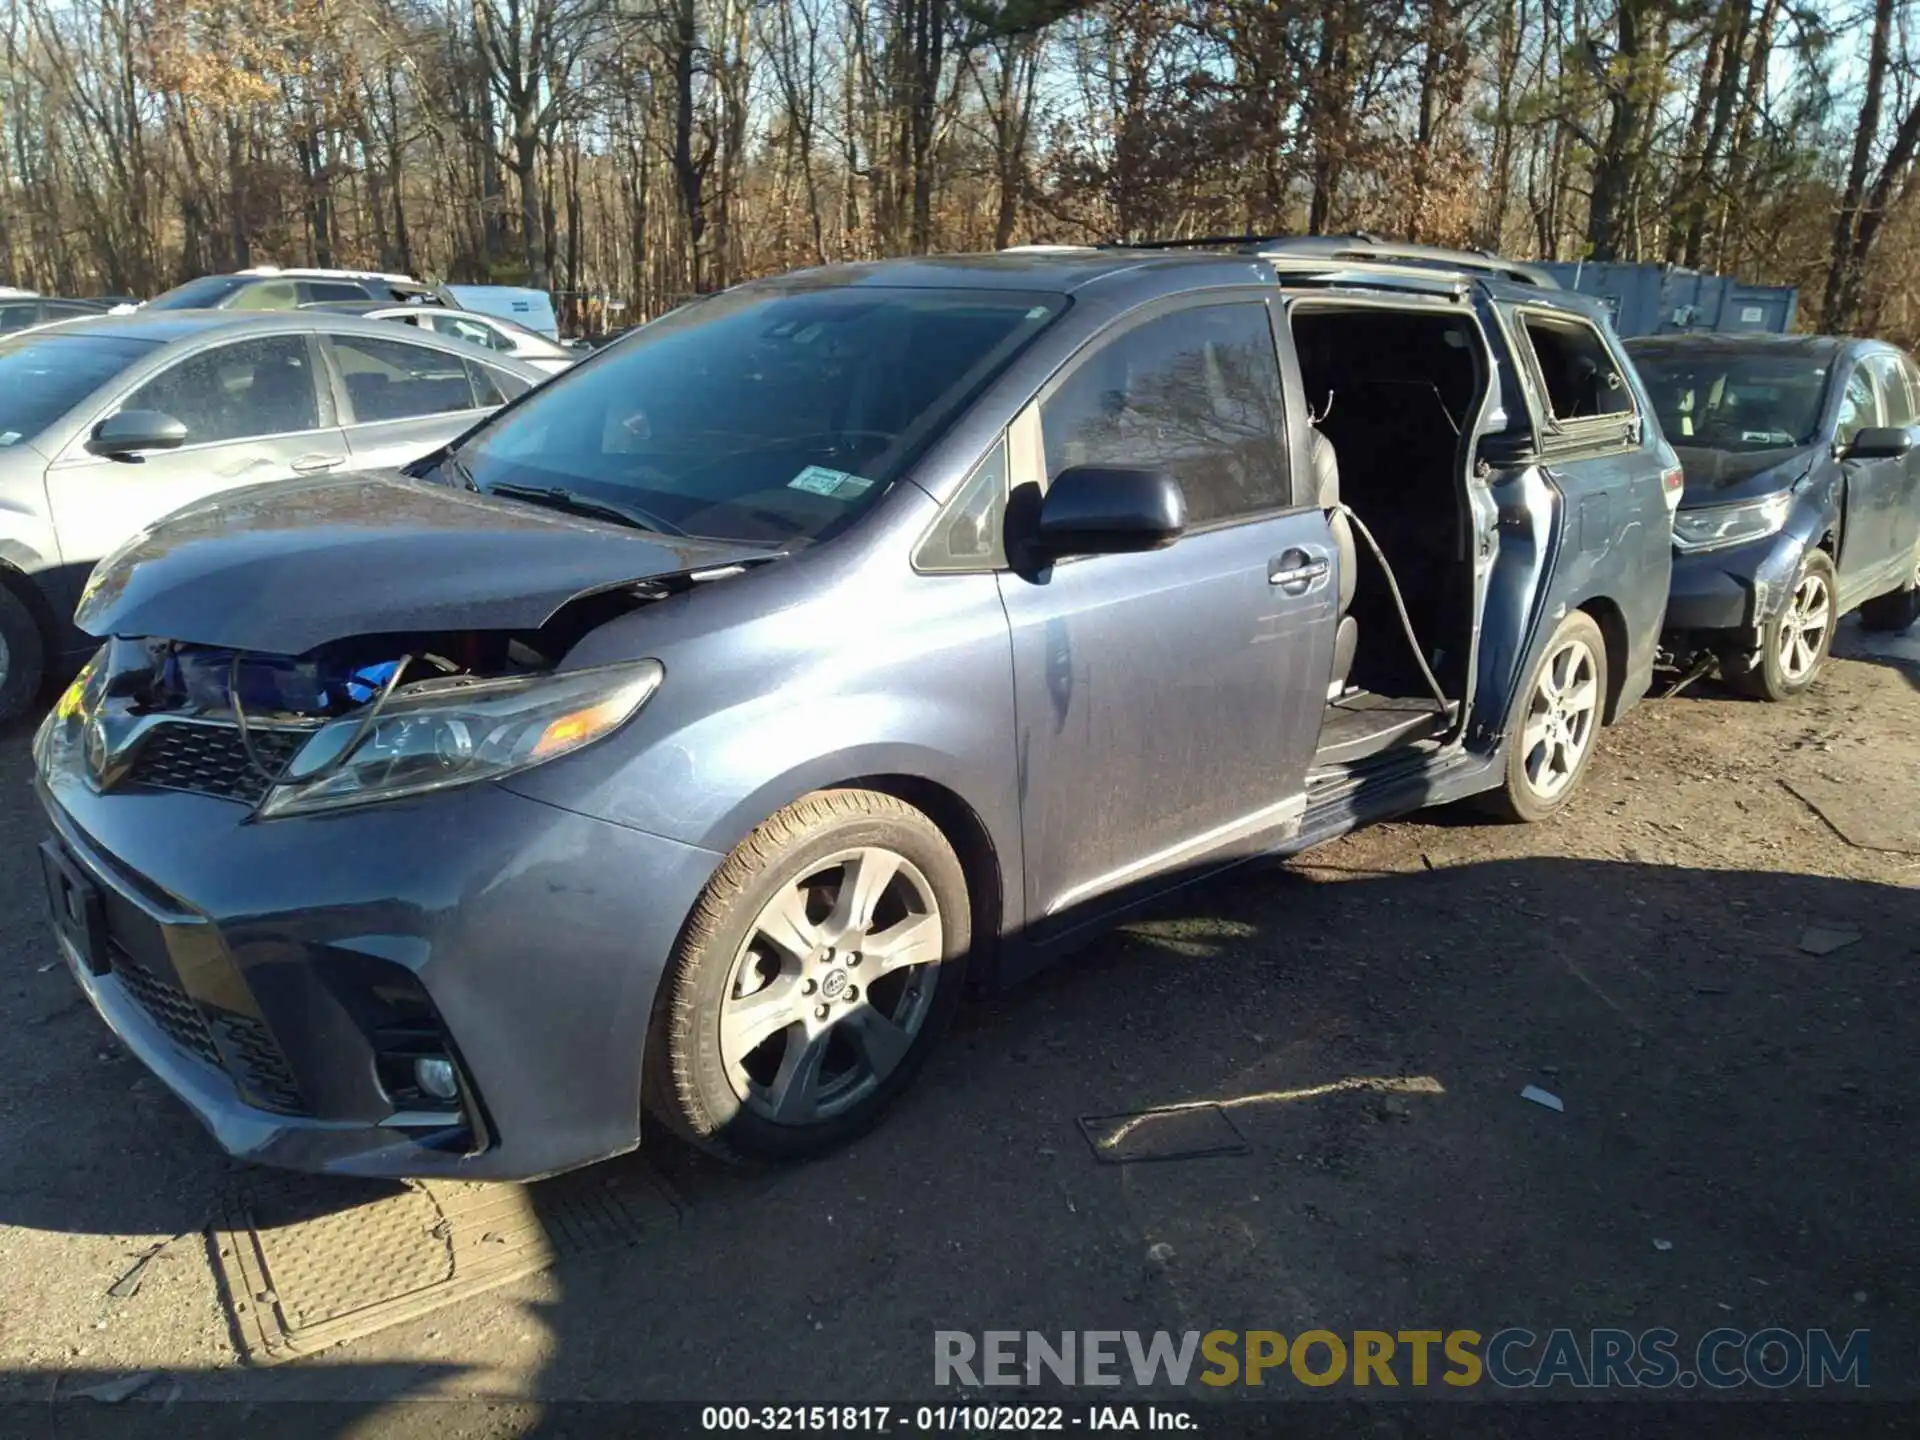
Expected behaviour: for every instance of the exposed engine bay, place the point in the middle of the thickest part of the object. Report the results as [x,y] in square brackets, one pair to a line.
[351,720]
[212,682]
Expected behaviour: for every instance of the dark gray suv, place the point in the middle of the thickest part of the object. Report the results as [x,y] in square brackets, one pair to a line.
[689,733]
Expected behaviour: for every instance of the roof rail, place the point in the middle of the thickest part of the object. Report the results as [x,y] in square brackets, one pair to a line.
[1361,246]
[313,272]
[1197,242]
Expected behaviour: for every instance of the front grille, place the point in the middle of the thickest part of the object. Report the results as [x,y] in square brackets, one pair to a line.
[206,759]
[169,1007]
[264,1074]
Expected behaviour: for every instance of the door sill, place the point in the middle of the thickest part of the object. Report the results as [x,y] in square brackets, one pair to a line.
[1361,725]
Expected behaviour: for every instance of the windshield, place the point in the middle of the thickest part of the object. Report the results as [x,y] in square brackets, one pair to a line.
[45,374]
[1730,401]
[766,415]
[206,293]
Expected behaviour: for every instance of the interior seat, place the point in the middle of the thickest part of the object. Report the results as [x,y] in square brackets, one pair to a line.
[280,400]
[1325,467]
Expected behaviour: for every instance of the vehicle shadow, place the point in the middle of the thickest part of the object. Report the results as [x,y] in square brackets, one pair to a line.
[1900,653]
[1368,1039]
[1725,1092]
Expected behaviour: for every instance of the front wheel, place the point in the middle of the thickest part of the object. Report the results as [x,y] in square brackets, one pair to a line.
[816,970]
[1555,724]
[22,657]
[1794,644]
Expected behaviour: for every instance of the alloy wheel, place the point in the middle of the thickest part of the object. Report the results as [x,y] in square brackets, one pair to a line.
[831,986]
[1561,717]
[1804,626]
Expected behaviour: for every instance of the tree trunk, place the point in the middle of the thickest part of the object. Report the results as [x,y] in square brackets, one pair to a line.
[1614,165]
[1841,300]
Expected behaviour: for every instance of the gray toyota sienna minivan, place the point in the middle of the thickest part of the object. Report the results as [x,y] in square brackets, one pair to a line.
[687,735]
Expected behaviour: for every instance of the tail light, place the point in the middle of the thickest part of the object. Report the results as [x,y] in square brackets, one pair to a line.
[1673,480]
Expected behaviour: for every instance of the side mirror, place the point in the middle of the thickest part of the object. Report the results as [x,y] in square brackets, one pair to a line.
[1878,442]
[132,431]
[1108,510]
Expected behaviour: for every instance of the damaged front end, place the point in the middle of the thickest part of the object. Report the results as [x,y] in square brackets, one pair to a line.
[353,722]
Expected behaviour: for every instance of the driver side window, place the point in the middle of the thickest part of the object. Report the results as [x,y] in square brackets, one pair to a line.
[1195,393]
[1858,406]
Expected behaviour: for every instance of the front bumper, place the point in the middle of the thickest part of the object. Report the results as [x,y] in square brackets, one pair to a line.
[1736,589]
[254,968]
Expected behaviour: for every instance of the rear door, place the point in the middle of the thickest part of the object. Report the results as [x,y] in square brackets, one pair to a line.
[1167,704]
[253,412]
[400,400]
[1598,449]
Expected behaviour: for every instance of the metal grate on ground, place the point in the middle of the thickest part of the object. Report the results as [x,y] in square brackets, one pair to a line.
[304,1263]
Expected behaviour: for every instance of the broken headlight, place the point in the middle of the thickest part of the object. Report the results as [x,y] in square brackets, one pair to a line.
[1712,526]
[439,734]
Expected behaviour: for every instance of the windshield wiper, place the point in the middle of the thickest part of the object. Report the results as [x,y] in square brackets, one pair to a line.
[575,504]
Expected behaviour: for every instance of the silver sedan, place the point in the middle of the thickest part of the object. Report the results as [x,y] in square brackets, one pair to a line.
[490,332]
[109,423]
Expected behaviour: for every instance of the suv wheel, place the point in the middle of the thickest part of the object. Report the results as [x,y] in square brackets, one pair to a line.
[1794,644]
[1896,610]
[1556,720]
[22,657]
[812,977]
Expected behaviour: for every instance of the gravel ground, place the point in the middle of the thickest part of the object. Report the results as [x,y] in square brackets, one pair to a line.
[1731,1152]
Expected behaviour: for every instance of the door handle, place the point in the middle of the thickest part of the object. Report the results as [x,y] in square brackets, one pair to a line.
[314,464]
[1295,570]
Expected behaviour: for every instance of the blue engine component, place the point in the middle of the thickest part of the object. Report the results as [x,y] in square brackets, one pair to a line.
[270,684]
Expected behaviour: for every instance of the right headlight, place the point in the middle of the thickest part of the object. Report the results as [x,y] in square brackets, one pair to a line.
[440,734]
[1712,526]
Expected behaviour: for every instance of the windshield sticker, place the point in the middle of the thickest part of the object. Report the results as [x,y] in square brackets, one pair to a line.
[9,437]
[838,484]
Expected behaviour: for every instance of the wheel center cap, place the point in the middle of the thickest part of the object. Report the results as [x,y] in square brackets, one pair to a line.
[835,985]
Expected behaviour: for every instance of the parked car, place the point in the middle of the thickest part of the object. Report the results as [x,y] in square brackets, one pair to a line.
[268,287]
[23,313]
[518,303]
[487,331]
[1802,497]
[106,424]
[686,734]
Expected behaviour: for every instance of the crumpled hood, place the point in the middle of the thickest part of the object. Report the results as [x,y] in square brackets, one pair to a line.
[289,565]
[1720,477]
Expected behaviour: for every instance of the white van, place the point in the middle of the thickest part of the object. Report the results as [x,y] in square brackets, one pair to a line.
[531,308]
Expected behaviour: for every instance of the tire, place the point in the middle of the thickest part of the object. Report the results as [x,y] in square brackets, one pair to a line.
[1555,724]
[1897,609]
[765,1044]
[1795,642]
[23,657]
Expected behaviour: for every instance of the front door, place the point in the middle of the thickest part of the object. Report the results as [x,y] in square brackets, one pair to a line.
[252,413]
[1870,519]
[1896,482]
[1168,704]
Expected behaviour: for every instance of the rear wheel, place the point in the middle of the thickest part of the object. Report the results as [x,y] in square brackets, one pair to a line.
[1896,610]
[1794,644]
[22,657]
[1555,724]
[813,976]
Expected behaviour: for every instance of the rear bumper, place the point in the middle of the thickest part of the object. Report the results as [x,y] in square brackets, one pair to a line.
[257,969]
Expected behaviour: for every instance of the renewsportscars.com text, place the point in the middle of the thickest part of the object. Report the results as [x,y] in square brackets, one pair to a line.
[1512,1358]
